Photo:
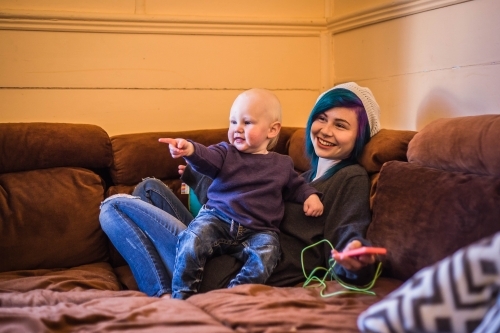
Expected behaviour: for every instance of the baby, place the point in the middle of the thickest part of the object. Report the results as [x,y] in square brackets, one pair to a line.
[246,199]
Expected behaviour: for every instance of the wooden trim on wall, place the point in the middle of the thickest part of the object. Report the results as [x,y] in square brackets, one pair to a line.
[384,13]
[151,24]
[142,23]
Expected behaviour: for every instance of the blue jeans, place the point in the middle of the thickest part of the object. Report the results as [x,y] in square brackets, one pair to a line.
[212,233]
[144,228]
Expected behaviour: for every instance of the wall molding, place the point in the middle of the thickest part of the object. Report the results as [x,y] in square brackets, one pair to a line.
[142,23]
[384,13]
[154,24]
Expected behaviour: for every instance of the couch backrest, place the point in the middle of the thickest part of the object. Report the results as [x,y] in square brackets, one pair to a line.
[50,195]
[136,156]
[446,197]
[140,155]
[52,181]
[463,144]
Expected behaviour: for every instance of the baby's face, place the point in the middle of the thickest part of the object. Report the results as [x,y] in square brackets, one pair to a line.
[249,125]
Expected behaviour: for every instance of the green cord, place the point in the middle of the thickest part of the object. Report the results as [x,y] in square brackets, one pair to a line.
[350,288]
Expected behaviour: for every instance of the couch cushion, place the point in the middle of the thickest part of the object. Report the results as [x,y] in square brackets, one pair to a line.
[31,146]
[297,150]
[466,144]
[49,218]
[422,215]
[140,155]
[386,145]
[98,276]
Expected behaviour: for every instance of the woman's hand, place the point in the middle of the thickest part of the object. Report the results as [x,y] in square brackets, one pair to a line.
[353,263]
[181,168]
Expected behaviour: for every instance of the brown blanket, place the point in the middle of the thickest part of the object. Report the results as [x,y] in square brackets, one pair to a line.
[247,308]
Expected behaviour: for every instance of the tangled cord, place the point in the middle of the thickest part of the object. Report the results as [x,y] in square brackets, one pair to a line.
[333,276]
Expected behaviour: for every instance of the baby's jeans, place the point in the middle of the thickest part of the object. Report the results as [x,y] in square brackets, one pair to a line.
[211,234]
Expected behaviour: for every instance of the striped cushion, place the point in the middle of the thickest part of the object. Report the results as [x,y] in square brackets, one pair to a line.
[491,322]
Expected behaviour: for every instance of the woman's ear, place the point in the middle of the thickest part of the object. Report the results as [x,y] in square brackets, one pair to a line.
[274,130]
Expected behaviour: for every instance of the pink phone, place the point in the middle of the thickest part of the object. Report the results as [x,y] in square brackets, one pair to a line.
[363,250]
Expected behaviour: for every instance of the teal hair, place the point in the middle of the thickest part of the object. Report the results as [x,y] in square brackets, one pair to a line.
[334,98]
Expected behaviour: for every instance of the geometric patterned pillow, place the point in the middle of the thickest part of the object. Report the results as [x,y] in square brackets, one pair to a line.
[491,322]
[454,295]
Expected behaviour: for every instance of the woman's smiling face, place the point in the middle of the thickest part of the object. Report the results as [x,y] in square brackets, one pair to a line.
[333,133]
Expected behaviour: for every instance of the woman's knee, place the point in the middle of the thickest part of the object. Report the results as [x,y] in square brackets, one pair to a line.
[109,209]
[149,184]
[116,199]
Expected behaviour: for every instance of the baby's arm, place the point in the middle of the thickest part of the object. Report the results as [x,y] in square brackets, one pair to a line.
[205,160]
[178,147]
[313,206]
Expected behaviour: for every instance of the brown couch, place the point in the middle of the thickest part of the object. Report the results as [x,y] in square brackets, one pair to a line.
[59,273]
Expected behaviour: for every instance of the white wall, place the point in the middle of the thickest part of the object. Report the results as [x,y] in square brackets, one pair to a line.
[438,63]
[154,65]
[151,65]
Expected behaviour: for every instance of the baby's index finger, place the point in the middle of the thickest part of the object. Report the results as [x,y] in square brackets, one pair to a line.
[169,141]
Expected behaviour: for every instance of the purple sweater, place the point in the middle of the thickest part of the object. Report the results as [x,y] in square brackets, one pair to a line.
[249,188]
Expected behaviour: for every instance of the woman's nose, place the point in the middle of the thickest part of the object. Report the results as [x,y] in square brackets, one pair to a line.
[327,130]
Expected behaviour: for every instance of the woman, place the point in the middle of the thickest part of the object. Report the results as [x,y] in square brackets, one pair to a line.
[144,227]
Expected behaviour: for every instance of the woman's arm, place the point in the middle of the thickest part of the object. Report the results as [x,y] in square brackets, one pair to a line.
[198,182]
[348,220]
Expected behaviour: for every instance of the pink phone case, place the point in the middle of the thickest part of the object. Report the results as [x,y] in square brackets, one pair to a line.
[363,250]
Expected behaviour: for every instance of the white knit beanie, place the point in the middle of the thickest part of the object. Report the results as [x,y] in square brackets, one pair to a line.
[369,102]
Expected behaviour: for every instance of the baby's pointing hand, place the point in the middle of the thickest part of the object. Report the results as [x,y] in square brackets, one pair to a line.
[178,147]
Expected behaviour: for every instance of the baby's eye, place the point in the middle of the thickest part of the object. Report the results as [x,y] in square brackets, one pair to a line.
[233,122]
[247,122]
